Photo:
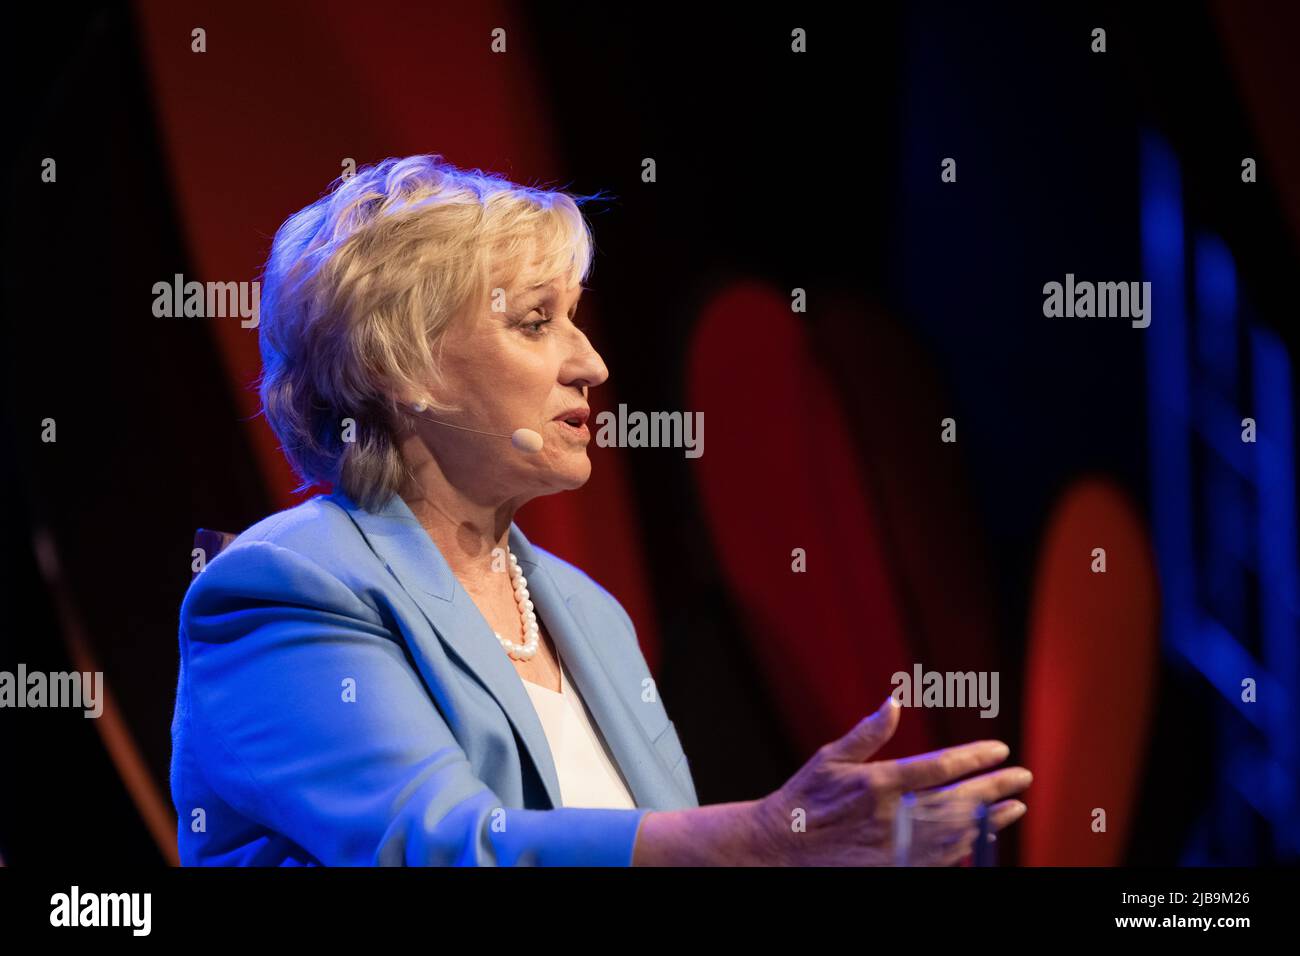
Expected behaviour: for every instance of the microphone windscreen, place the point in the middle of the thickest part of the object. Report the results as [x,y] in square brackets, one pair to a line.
[526,440]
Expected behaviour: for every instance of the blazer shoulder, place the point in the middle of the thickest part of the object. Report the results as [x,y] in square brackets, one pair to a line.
[313,539]
[318,528]
[302,527]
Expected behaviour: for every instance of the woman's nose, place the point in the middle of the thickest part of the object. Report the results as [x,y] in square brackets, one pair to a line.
[586,363]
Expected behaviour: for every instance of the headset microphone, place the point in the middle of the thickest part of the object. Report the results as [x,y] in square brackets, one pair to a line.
[525,439]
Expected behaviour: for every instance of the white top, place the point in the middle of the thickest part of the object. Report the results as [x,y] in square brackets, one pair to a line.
[588,775]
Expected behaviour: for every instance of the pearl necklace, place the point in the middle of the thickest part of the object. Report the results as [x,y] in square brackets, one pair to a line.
[526,650]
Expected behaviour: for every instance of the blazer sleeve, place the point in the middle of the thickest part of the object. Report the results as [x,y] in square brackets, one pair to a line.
[307,717]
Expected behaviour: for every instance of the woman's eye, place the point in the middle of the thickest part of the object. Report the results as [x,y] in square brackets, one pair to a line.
[535,328]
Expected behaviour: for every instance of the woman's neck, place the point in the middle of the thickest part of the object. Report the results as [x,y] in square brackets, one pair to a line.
[466,531]
[466,537]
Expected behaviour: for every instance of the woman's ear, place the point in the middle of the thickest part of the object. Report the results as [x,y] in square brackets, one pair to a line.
[413,401]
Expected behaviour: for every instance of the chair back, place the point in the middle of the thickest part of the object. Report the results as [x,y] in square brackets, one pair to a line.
[211,543]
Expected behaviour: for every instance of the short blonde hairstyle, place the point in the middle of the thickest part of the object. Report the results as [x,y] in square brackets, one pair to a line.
[361,287]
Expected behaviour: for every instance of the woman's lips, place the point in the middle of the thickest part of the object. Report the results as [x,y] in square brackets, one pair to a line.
[580,431]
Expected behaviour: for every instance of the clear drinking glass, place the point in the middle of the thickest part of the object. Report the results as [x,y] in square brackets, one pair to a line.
[932,828]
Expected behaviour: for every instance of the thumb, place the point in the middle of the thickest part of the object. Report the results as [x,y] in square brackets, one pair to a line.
[871,733]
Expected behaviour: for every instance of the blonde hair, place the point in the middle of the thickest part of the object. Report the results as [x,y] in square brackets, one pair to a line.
[361,287]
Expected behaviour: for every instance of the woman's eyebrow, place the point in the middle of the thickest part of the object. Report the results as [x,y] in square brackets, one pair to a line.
[547,293]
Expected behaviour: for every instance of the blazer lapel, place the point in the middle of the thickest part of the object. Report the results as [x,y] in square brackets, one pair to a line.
[609,705]
[399,539]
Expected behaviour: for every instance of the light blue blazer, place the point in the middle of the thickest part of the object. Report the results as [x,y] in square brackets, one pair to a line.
[342,701]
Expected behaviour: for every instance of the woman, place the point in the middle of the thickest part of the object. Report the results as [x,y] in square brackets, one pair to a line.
[392,673]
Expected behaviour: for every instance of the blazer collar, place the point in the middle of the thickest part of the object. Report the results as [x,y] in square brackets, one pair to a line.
[400,541]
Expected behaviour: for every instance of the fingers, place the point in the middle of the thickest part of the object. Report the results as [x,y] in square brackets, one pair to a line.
[870,734]
[1002,815]
[950,848]
[941,766]
[989,787]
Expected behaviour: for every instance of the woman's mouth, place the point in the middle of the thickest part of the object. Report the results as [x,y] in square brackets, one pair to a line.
[574,422]
[574,427]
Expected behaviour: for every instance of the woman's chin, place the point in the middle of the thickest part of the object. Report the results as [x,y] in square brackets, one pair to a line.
[571,473]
